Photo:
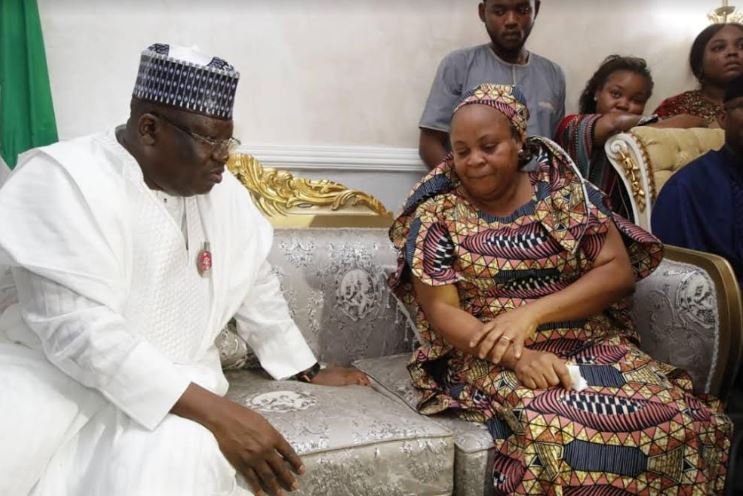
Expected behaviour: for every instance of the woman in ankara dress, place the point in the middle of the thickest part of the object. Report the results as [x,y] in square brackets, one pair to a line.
[518,276]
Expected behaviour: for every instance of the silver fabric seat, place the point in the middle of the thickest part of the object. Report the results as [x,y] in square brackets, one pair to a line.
[352,440]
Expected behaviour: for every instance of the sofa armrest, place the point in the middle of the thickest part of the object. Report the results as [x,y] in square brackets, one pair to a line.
[628,158]
[689,314]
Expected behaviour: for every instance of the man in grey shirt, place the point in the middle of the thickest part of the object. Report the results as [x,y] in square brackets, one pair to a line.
[503,61]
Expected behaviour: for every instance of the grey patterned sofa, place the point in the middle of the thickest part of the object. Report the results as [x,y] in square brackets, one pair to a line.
[332,254]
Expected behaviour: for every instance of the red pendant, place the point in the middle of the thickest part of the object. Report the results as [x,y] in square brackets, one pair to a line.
[204,261]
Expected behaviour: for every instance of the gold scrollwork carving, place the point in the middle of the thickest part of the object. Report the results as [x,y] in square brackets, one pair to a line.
[649,164]
[276,192]
[632,172]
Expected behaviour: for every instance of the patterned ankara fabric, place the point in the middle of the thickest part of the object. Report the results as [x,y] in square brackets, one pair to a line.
[637,428]
[505,98]
[187,79]
[689,102]
[575,134]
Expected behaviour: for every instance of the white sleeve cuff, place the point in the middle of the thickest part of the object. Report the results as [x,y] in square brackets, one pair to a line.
[146,386]
[285,355]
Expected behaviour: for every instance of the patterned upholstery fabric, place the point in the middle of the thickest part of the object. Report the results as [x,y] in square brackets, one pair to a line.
[334,282]
[670,149]
[387,450]
[233,350]
[676,314]
[646,157]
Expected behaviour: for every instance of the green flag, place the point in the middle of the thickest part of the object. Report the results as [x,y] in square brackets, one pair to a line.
[26,110]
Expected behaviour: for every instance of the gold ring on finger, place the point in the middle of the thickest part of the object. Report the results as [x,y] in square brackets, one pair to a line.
[507,338]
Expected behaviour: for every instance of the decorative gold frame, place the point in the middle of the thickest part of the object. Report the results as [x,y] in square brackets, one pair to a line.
[633,174]
[651,171]
[289,201]
[730,311]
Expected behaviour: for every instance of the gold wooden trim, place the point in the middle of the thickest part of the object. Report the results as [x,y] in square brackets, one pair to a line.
[730,310]
[332,221]
[650,171]
[632,172]
[299,202]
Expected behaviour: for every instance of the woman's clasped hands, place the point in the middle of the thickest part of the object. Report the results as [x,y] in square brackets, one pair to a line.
[501,341]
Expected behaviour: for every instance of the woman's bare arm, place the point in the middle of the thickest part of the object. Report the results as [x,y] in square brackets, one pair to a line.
[613,123]
[442,309]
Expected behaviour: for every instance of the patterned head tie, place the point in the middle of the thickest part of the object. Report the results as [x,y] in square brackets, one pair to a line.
[187,79]
[504,98]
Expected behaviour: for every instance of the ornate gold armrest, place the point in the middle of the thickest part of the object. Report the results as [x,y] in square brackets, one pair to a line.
[626,155]
[646,157]
[289,201]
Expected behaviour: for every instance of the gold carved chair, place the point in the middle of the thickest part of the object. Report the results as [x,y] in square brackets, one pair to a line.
[645,157]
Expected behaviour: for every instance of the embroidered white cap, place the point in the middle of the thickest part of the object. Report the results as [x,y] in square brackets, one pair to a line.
[187,79]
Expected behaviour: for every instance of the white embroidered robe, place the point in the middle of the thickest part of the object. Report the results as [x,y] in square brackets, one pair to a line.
[114,322]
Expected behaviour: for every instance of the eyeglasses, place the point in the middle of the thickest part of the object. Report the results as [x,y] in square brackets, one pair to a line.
[217,146]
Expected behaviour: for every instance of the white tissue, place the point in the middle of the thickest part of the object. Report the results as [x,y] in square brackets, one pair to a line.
[577,382]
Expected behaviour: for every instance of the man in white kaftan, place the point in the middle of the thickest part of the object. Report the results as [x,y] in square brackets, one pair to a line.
[110,382]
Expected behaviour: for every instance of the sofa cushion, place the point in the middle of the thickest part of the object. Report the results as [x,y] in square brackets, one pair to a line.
[334,282]
[473,457]
[352,440]
[668,150]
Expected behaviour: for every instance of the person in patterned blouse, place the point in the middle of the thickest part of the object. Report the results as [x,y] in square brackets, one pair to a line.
[613,101]
[513,275]
[716,58]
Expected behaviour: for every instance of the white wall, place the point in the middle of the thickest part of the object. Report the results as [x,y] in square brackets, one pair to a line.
[339,72]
